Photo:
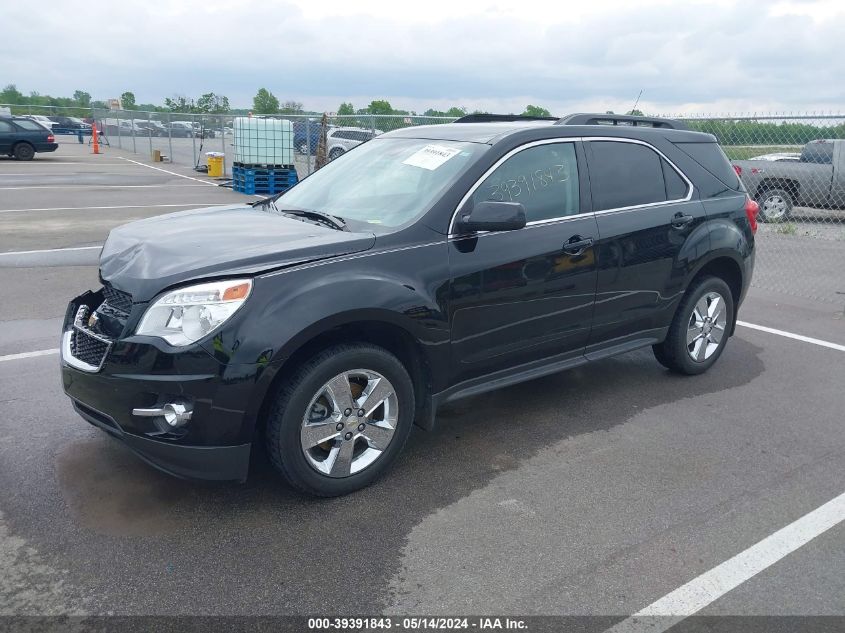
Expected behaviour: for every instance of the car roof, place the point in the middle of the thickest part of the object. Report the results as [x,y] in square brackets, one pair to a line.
[492,132]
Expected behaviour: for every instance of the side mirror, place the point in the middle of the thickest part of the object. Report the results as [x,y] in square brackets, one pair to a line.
[491,216]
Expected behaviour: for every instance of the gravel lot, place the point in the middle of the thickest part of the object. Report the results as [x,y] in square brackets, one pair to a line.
[593,492]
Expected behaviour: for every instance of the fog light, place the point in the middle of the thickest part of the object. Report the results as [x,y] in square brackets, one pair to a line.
[176,414]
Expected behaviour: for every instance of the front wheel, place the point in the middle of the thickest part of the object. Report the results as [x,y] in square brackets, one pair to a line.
[341,419]
[775,205]
[337,151]
[700,328]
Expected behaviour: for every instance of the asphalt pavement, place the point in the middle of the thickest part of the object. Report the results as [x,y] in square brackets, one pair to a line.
[597,491]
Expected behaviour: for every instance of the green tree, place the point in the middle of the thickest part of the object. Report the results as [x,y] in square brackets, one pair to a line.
[635,113]
[265,102]
[212,103]
[346,109]
[12,95]
[381,106]
[291,107]
[127,100]
[179,103]
[532,110]
[82,98]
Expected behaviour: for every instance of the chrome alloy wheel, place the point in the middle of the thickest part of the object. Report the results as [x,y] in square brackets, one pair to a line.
[775,207]
[706,327]
[349,423]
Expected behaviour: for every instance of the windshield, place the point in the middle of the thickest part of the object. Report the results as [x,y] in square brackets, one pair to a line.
[386,182]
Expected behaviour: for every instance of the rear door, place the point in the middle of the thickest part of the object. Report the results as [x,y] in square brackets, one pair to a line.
[7,131]
[519,297]
[647,222]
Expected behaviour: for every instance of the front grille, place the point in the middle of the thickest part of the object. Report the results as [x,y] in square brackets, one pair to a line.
[86,345]
[117,299]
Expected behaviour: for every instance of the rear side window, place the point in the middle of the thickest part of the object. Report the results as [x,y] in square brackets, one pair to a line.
[5,127]
[625,175]
[713,159]
[819,152]
[30,125]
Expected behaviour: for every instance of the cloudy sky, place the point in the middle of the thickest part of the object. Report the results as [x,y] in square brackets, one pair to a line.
[687,56]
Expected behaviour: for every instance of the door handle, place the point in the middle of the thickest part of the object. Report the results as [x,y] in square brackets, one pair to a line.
[577,245]
[679,220]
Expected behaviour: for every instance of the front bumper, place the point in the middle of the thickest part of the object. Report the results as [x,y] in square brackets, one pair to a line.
[139,373]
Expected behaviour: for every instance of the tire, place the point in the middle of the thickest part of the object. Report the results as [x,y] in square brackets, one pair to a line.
[304,412]
[337,151]
[682,353]
[23,151]
[775,205]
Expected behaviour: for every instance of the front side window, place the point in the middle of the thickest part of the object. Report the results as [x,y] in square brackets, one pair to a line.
[630,174]
[543,178]
[30,125]
[386,182]
[5,127]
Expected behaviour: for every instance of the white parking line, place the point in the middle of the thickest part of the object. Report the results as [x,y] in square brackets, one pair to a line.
[99,186]
[51,250]
[123,206]
[797,337]
[172,173]
[41,352]
[711,585]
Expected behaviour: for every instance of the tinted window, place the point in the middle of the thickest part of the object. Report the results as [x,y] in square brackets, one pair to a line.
[676,187]
[820,152]
[543,178]
[624,175]
[30,125]
[5,127]
[713,159]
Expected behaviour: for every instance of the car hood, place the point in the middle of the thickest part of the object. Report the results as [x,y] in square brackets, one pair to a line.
[145,257]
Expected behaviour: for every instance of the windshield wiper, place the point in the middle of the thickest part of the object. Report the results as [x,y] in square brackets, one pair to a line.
[333,221]
[325,218]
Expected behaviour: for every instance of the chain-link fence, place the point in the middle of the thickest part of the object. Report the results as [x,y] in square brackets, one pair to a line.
[794,167]
[792,164]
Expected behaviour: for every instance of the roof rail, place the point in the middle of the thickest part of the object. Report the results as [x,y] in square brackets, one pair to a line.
[621,119]
[489,118]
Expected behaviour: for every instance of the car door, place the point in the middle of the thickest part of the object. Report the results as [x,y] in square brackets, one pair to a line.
[525,296]
[7,131]
[649,232]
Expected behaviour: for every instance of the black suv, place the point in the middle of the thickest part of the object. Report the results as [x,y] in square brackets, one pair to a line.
[22,138]
[428,264]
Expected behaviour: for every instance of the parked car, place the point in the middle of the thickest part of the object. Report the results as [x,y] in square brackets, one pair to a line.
[201,131]
[340,140]
[43,120]
[306,136]
[144,127]
[817,179]
[68,123]
[22,137]
[117,127]
[430,264]
[182,129]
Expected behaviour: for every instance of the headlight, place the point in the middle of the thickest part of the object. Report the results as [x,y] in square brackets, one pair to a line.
[186,315]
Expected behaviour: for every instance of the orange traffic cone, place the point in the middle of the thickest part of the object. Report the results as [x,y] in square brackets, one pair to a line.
[95,141]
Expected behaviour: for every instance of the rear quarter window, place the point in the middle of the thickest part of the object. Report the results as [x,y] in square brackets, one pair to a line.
[711,157]
[32,126]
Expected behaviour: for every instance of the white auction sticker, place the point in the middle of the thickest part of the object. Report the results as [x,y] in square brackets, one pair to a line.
[431,156]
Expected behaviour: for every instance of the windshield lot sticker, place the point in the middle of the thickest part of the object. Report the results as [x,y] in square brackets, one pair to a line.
[431,157]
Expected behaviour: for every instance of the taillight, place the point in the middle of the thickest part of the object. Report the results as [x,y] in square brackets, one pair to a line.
[751,211]
[51,138]
[738,170]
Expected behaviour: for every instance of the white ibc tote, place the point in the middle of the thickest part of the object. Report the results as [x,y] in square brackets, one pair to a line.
[263,141]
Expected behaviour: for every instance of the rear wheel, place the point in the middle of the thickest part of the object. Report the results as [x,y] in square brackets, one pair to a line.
[699,331]
[775,205]
[24,151]
[341,419]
